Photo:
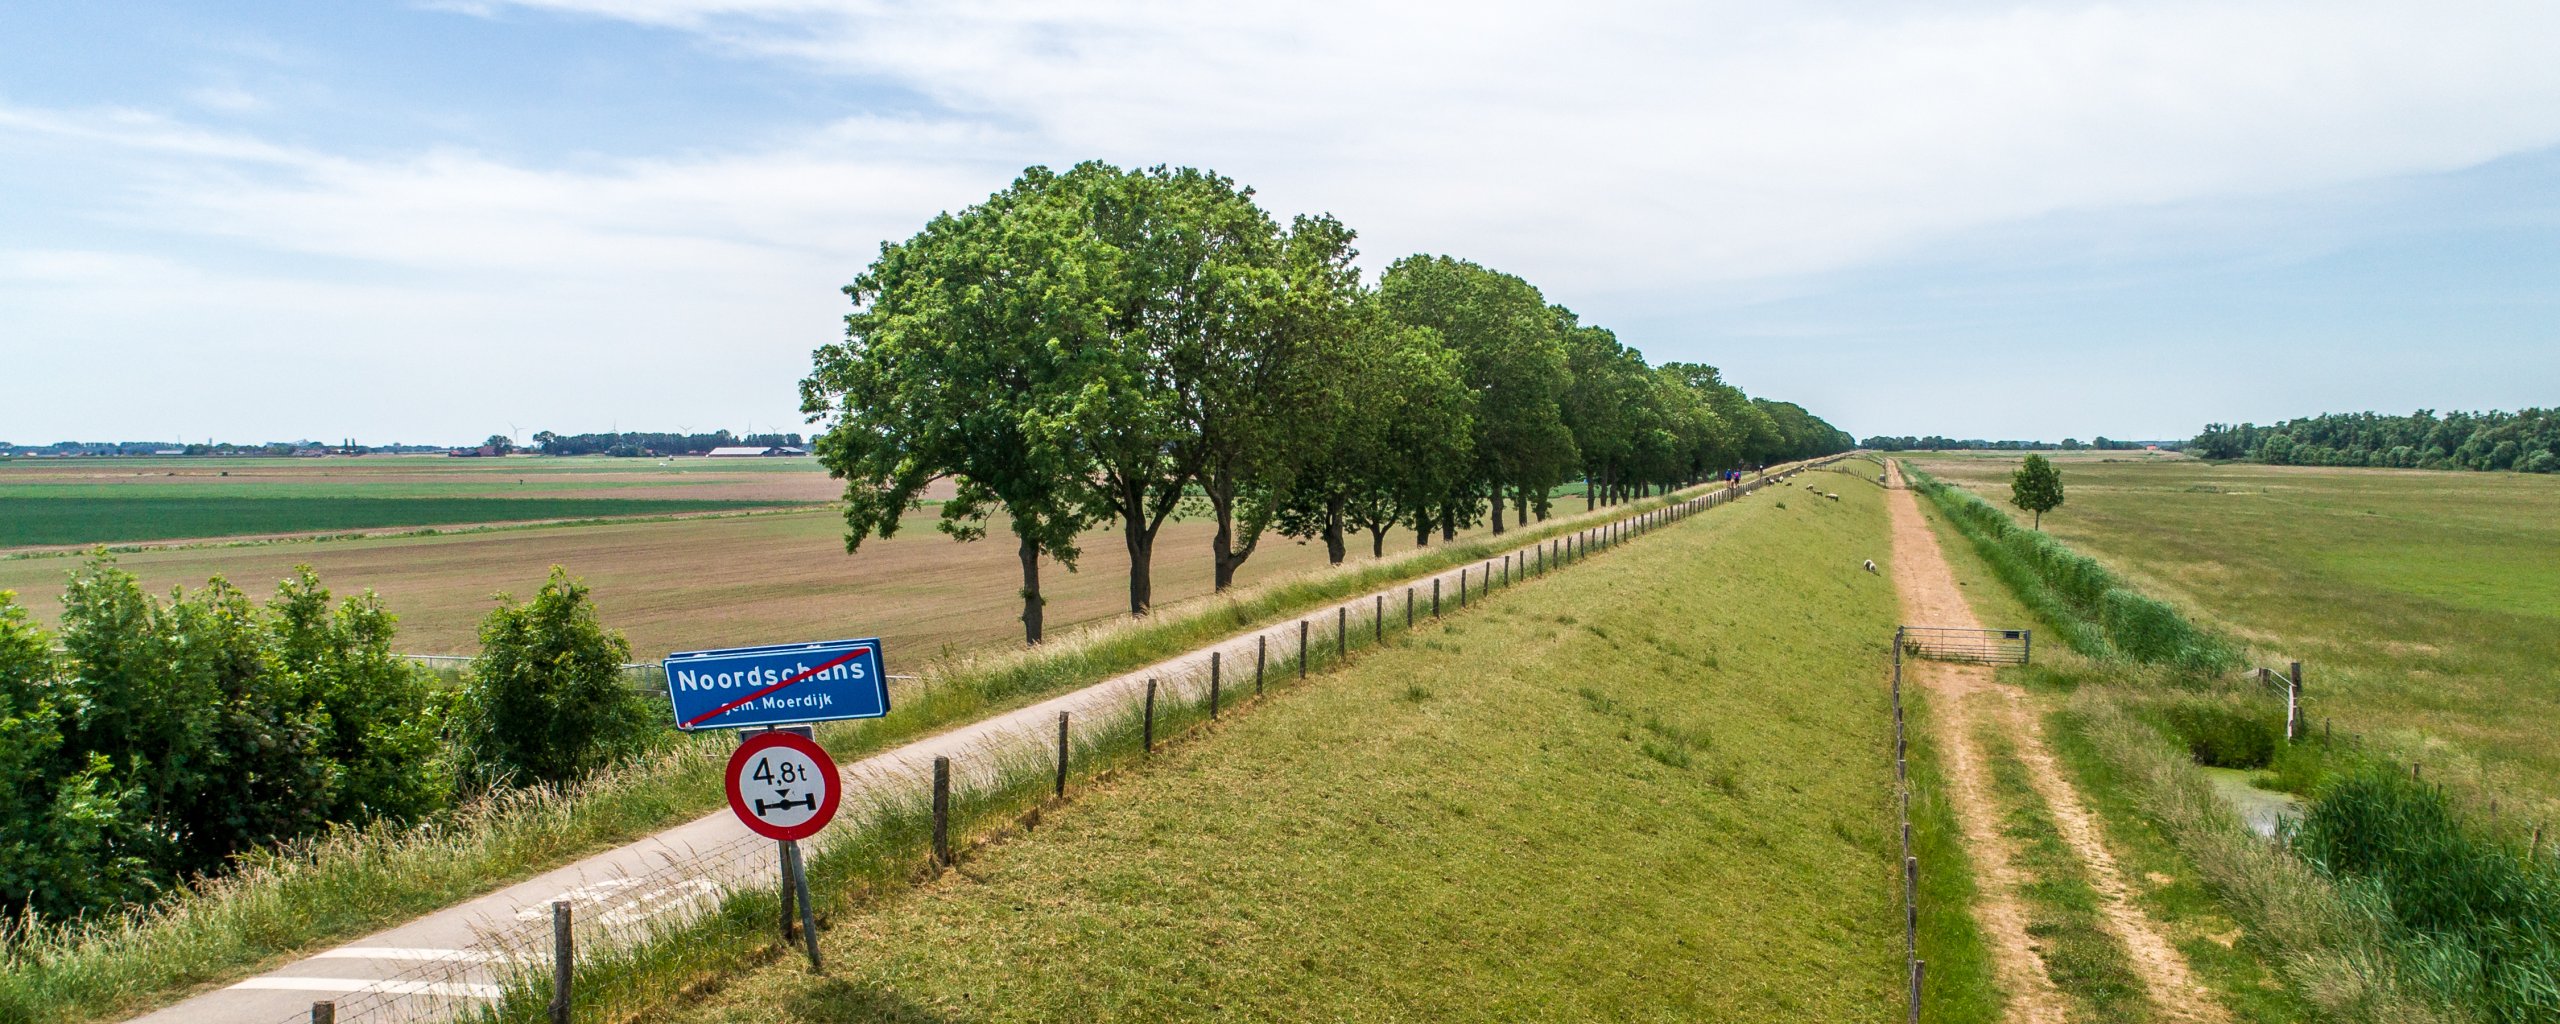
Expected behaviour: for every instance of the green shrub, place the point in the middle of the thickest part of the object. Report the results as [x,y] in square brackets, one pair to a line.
[170,737]
[2475,922]
[546,701]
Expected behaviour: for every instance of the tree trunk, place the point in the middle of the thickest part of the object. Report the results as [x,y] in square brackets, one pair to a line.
[1222,557]
[1378,543]
[1031,599]
[1522,507]
[1449,522]
[1590,498]
[1142,549]
[1333,547]
[1497,509]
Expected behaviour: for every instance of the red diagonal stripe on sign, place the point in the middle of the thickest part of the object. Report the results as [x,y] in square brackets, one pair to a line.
[750,698]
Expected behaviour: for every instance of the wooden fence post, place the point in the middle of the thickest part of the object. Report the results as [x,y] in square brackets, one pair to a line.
[1302,648]
[324,1012]
[1462,588]
[1341,631]
[1062,755]
[1918,967]
[1378,621]
[564,962]
[1435,597]
[1408,607]
[1213,686]
[2293,703]
[1147,732]
[941,811]
[1261,653]
[1911,906]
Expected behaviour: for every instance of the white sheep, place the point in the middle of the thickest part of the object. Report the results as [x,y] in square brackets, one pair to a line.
[1871,565]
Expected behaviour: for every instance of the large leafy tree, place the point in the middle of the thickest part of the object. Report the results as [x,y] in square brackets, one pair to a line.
[967,346]
[1390,422]
[1188,258]
[1599,401]
[1256,378]
[1512,351]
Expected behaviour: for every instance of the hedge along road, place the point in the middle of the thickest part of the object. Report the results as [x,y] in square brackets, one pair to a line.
[456,959]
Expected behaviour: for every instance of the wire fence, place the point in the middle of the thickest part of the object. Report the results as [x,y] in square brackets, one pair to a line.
[1913,966]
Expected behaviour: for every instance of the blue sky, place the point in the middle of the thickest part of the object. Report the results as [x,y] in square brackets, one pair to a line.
[430,222]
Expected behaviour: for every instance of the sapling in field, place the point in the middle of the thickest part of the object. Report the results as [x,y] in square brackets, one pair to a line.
[2037,487]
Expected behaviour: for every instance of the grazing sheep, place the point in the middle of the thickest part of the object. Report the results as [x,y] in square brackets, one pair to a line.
[1871,565]
[1833,497]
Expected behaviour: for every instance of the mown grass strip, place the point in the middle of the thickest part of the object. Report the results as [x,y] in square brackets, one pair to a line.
[281,904]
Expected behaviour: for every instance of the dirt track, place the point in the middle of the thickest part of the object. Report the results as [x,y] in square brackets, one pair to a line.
[1963,695]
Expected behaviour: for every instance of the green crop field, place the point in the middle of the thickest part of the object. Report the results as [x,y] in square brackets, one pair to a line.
[121,501]
[1652,788]
[2425,605]
[115,520]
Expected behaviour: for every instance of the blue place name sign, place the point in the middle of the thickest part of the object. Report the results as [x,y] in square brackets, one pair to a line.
[777,685]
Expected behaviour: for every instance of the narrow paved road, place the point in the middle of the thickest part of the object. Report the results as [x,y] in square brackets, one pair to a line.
[453,959]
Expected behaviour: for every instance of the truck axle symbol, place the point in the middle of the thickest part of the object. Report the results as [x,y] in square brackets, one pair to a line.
[763,808]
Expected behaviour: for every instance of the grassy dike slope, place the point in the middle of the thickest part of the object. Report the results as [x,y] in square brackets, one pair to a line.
[1655,787]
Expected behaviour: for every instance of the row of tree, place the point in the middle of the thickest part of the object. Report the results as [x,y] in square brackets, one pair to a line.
[163,738]
[1114,346]
[2526,441]
[634,444]
[1935,443]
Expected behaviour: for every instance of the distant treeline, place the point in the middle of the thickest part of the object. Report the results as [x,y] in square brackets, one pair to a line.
[635,445]
[1935,443]
[2527,441]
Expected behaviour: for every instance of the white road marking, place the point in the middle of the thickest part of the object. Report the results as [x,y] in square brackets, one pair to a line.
[405,988]
[477,956]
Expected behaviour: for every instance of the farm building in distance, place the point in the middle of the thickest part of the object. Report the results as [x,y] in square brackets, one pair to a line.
[754,451]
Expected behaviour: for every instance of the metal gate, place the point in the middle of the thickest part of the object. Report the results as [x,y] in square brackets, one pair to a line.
[1976,646]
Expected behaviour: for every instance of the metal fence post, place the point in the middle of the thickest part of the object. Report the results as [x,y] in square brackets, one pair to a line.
[941,811]
[790,895]
[808,907]
[564,961]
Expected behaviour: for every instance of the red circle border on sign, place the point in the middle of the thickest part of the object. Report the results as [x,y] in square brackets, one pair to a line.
[826,803]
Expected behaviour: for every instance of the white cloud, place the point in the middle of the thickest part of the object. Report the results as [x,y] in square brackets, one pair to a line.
[1601,150]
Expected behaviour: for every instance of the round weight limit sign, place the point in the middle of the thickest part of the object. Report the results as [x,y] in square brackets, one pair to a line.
[783,785]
